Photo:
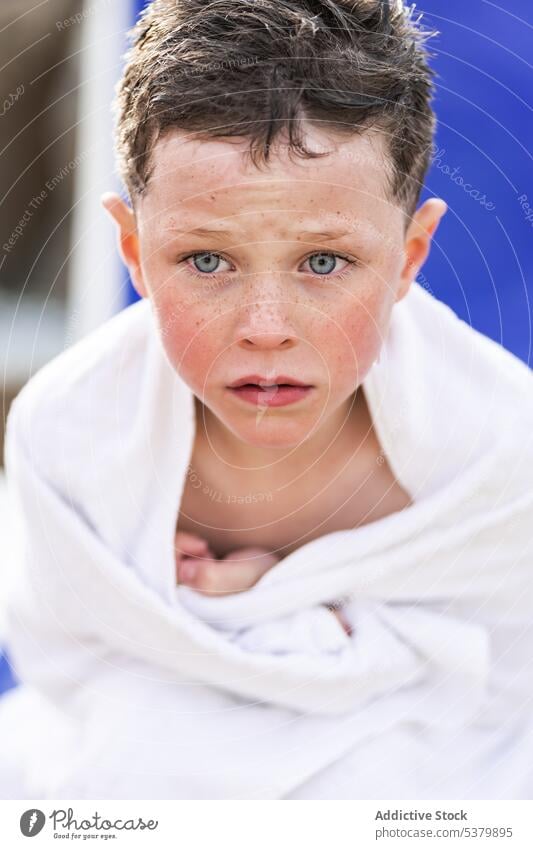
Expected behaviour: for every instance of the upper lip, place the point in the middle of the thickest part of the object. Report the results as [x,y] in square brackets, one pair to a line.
[267,381]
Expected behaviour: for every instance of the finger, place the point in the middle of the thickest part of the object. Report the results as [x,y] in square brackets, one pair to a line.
[248,565]
[190,544]
[187,571]
[221,577]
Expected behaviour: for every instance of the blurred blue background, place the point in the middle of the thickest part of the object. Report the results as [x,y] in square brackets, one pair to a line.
[482,261]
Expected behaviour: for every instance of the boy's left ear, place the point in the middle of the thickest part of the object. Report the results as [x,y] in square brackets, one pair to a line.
[418,240]
[127,237]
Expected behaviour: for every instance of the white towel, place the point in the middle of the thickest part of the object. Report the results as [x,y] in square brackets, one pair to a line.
[156,691]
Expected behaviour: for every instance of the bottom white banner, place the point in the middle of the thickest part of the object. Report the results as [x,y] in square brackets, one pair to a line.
[267,825]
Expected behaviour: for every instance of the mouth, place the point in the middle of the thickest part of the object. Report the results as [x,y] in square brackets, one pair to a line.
[277,392]
[266,383]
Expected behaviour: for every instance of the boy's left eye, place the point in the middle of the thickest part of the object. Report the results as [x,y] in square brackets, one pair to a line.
[325,263]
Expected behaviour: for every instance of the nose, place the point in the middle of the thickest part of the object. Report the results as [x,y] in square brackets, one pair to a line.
[267,341]
[265,325]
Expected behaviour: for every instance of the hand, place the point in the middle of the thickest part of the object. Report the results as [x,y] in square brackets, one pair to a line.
[198,568]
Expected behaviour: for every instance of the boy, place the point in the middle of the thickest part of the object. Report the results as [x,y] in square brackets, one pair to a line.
[336,562]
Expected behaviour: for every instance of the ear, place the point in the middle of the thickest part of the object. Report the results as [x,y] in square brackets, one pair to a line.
[418,240]
[127,238]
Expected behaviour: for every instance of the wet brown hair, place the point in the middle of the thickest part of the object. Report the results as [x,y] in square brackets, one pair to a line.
[255,68]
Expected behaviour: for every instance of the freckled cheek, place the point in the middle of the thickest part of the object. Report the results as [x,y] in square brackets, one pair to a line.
[359,338]
[184,331]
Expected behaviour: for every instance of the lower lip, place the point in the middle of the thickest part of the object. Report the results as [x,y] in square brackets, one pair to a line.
[278,397]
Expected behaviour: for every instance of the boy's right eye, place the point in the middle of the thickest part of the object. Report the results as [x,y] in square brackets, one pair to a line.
[205,262]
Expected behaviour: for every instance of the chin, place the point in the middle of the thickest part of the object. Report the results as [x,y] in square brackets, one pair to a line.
[264,431]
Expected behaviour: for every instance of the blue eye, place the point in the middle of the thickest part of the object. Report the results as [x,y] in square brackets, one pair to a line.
[324,263]
[206,262]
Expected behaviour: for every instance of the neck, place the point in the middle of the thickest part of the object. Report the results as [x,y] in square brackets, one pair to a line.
[342,431]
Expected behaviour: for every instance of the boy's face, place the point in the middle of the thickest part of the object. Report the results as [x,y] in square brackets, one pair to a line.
[298,275]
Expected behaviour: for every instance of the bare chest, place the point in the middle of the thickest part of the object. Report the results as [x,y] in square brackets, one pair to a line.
[232,513]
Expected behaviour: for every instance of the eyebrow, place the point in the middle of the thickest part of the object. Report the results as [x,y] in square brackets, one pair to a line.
[326,236]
